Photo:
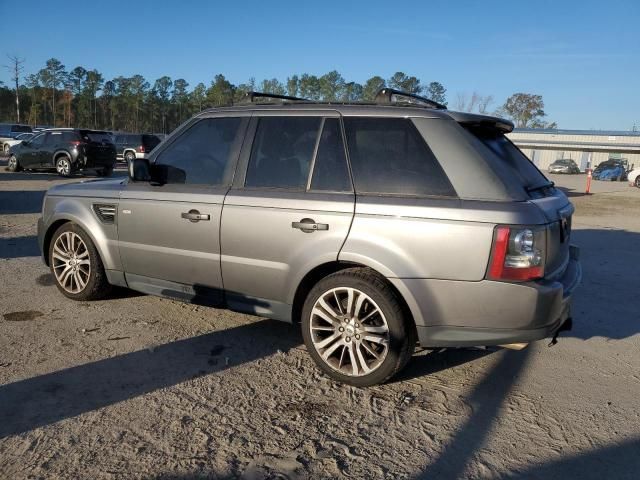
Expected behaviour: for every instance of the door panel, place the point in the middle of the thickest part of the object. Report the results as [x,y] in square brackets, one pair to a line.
[264,256]
[157,242]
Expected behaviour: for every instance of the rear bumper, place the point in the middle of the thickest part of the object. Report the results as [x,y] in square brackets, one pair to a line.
[457,314]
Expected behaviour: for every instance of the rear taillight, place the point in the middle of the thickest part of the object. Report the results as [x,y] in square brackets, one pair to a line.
[75,143]
[140,149]
[517,253]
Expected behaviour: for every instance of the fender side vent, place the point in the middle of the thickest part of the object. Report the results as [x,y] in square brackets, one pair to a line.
[105,212]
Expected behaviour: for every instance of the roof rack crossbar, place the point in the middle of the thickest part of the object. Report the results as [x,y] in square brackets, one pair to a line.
[390,95]
[249,97]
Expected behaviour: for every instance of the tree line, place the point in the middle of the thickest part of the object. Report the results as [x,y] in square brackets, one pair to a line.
[79,97]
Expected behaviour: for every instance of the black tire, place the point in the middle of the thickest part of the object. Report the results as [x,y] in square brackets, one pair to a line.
[64,167]
[401,330]
[13,164]
[97,286]
[637,182]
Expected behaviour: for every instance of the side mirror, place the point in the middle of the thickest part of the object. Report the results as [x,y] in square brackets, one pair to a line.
[25,143]
[139,170]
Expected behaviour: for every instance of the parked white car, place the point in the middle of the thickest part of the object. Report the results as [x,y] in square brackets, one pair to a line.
[7,144]
[634,177]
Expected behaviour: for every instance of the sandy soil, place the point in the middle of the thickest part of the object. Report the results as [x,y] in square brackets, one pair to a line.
[141,387]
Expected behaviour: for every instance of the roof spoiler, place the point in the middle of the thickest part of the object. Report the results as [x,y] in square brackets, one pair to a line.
[477,120]
[390,95]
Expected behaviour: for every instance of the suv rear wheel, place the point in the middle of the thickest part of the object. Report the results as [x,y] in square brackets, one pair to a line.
[76,264]
[129,156]
[637,182]
[355,328]
[63,166]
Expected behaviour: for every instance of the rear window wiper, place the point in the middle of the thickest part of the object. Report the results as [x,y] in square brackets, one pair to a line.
[540,187]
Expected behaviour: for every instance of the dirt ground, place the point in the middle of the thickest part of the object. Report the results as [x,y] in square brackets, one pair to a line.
[141,387]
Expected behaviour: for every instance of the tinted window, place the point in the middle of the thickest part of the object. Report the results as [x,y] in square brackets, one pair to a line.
[38,140]
[54,138]
[511,156]
[330,171]
[389,156]
[150,142]
[282,151]
[68,137]
[95,136]
[133,139]
[21,128]
[203,152]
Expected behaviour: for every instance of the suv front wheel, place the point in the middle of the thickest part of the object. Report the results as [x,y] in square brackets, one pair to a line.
[76,264]
[355,328]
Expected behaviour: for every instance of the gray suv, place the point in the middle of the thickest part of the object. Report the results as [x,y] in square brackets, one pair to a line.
[374,226]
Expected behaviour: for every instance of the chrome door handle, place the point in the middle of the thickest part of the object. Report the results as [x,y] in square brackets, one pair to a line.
[195,216]
[309,225]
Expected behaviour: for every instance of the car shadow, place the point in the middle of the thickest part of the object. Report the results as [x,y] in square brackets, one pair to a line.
[602,304]
[18,247]
[46,399]
[16,202]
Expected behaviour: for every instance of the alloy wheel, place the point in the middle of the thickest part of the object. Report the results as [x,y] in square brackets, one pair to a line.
[71,262]
[349,331]
[12,162]
[63,167]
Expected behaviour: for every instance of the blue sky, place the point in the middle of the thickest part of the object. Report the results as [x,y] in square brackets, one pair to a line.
[582,56]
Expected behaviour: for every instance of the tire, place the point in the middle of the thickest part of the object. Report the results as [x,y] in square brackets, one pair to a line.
[13,164]
[129,157]
[63,166]
[637,182]
[376,312]
[70,247]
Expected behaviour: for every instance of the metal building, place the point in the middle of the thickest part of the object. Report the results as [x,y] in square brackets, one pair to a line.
[586,147]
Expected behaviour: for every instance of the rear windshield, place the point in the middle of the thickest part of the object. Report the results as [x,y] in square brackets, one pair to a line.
[511,156]
[94,136]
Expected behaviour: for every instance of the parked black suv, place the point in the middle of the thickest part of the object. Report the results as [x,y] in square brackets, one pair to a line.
[67,150]
[134,145]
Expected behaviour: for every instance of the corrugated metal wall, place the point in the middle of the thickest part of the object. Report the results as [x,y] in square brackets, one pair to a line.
[546,147]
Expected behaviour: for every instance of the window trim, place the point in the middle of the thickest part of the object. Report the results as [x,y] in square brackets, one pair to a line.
[343,136]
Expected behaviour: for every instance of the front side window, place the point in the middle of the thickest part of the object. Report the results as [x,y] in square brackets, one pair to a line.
[38,140]
[203,153]
[282,152]
[389,156]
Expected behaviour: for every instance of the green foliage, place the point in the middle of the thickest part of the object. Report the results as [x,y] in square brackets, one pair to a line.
[526,110]
[82,97]
[436,92]
[372,87]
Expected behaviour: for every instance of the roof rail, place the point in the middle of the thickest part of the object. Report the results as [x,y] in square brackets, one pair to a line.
[249,97]
[390,95]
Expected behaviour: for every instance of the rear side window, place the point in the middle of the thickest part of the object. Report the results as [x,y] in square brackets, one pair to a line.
[70,137]
[203,154]
[511,156]
[150,141]
[21,128]
[389,156]
[282,151]
[330,171]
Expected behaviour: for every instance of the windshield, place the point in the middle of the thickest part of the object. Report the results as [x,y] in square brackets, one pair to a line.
[24,136]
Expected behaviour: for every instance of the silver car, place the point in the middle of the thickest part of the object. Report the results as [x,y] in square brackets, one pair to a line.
[373,226]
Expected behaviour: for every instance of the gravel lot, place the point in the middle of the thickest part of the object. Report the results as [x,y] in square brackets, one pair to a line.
[141,387]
